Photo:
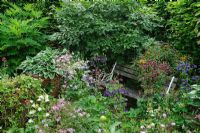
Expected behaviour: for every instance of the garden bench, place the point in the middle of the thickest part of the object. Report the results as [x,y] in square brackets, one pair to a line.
[125,71]
[128,72]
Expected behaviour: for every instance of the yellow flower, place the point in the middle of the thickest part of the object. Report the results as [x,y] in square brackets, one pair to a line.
[142,61]
[183,58]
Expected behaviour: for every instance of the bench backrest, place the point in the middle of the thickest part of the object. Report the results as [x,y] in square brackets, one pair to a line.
[126,71]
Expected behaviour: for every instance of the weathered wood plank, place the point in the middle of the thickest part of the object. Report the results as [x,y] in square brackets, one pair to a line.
[127,70]
[128,75]
[131,94]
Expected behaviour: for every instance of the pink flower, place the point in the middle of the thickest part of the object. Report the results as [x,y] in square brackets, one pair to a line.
[58,118]
[63,131]
[55,108]
[4,59]
[40,131]
[197,116]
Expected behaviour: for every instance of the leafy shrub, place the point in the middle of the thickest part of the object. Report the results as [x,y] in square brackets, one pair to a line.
[51,63]
[155,66]
[119,30]
[43,64]
[195,95]
[16,94]
[184,26]
[53,66]
[21,33]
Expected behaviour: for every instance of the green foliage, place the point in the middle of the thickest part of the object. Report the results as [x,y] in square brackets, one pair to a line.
[119,29]
[50,63]
[43,64]
[21,33]
[169,113]
[195,95]
[184,26]
[15,95]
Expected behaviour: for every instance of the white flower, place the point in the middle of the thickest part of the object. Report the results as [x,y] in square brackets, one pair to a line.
[152,124]
[149,126]
[152,115]
[164,115]
[173,123]
[30,121]
[39,109]
[32,112]
[99,130]
[142,127]
[142,131]
[46,125]
[33,105]
[46,97]
[43,121]
[47,114]
[162,125]
[31,101]
[38,99]
[36,126]
[41,97]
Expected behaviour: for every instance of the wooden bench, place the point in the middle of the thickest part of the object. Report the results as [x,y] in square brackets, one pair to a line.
[128,72]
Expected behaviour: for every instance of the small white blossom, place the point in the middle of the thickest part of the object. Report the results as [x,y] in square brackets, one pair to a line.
[162,125]
[46,125]
[164,115]
[47,114]
[33,105]
[38,99]
[32,112]
[39,109]
[41,97]
[149,126]
[152,125]
[46,97]
[142,127]
[31,101]
[30,121]
[173,123]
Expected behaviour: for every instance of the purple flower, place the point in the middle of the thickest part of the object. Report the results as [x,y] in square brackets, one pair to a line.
[107,94]
[195,78]
[122,91]
[195,66]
